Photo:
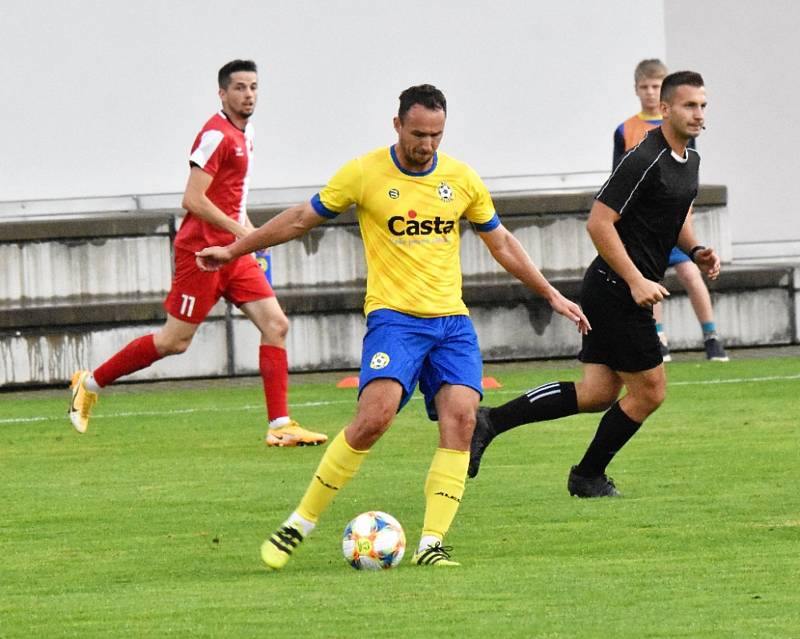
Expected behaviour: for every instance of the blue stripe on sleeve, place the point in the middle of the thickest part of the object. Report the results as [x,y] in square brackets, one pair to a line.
[321,209]
[491,225]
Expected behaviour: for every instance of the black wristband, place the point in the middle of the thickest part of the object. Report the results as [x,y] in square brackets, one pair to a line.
[699,247]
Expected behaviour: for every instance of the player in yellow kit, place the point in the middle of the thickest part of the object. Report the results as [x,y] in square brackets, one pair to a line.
[409,200]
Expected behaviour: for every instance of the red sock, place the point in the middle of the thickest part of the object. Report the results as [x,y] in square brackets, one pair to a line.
[275,375]
[139,354]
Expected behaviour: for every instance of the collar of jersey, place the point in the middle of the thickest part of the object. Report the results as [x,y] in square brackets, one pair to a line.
[225,117]
[650,118]
[414,173]
[678,158]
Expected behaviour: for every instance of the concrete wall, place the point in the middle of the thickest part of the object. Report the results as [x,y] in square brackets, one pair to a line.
[106,96]
[57,314]
[748,54]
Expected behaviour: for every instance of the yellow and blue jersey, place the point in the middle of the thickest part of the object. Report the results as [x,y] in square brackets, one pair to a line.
[410,228]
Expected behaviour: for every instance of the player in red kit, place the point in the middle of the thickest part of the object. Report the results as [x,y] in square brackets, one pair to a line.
[215,202]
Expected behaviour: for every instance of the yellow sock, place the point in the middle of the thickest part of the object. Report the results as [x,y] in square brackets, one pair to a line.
[337,467]
[444,488]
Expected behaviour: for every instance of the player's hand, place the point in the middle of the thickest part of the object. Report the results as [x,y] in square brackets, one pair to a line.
[570,310]
[647,292]
[212,258]
[708,262]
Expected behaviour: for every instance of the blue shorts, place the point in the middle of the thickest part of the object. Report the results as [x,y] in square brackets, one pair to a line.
[676,256]
[429,350]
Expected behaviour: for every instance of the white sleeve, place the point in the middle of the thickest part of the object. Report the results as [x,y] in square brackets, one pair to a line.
[209,142]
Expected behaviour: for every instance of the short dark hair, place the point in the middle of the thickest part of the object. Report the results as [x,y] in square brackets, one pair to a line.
[425,94]
[677,79]
[224,75]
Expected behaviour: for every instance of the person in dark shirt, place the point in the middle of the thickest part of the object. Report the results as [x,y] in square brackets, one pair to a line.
[639,214]
[648,76]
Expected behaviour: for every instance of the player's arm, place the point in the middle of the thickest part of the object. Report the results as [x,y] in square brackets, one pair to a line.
[705,257]
[196,201]
[287,225]
[511,255]
[609,244]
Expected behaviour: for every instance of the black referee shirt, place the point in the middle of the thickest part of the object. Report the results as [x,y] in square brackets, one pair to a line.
[652,189]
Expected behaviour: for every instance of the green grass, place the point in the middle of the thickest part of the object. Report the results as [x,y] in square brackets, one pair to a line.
[149,525]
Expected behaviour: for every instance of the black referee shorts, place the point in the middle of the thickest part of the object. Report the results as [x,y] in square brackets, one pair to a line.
[623,335]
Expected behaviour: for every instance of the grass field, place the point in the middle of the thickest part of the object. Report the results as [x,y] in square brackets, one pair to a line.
[149,525]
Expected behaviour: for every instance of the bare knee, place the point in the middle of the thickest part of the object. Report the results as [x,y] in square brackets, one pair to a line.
[597,404]
[280,325]
[367,428]
[456,427]
[595,399]
[276,329]
[171,346]
[656,397]
[461,421]
[689,274]
[646,400]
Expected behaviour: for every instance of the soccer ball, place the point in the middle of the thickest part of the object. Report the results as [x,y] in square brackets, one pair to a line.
[373,541]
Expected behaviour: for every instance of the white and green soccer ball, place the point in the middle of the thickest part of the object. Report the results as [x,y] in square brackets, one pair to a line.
[373,541]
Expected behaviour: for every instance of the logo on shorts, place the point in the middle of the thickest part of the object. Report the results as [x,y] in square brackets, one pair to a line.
[445,192]
[394,194]
[379,361]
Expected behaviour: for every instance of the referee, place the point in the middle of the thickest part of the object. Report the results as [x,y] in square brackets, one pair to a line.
[640,213]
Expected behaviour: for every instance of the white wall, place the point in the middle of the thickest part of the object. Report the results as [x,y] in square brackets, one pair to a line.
[104,97]
[749,58]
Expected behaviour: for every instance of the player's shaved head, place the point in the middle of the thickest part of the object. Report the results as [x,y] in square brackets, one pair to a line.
[426,95]
[677,79]
[224,75]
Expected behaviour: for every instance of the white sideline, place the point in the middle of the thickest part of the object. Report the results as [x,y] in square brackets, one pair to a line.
[249,407]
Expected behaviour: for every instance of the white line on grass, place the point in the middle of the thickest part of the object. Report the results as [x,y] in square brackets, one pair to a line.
[745,380]
[157,413]
[250,407]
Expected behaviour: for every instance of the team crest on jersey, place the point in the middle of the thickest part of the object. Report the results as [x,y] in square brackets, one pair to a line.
[379,360]
[445,192]
[394,194]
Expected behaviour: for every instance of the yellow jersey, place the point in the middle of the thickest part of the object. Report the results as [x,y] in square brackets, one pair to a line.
[410,228]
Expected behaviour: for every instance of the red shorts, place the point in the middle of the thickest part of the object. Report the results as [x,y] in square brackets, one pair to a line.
[194,292]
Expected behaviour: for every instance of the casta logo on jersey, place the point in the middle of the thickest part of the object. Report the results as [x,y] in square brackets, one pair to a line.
[409,225]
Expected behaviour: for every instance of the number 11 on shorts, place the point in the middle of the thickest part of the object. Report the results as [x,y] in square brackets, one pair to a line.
[187,304]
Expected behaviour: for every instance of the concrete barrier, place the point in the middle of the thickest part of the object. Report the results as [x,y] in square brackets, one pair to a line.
[79,286]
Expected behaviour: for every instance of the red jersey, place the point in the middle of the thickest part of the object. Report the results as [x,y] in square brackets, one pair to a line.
[226,153]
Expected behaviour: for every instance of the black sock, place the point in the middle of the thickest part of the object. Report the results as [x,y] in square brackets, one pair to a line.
[548,401]
[614,431]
